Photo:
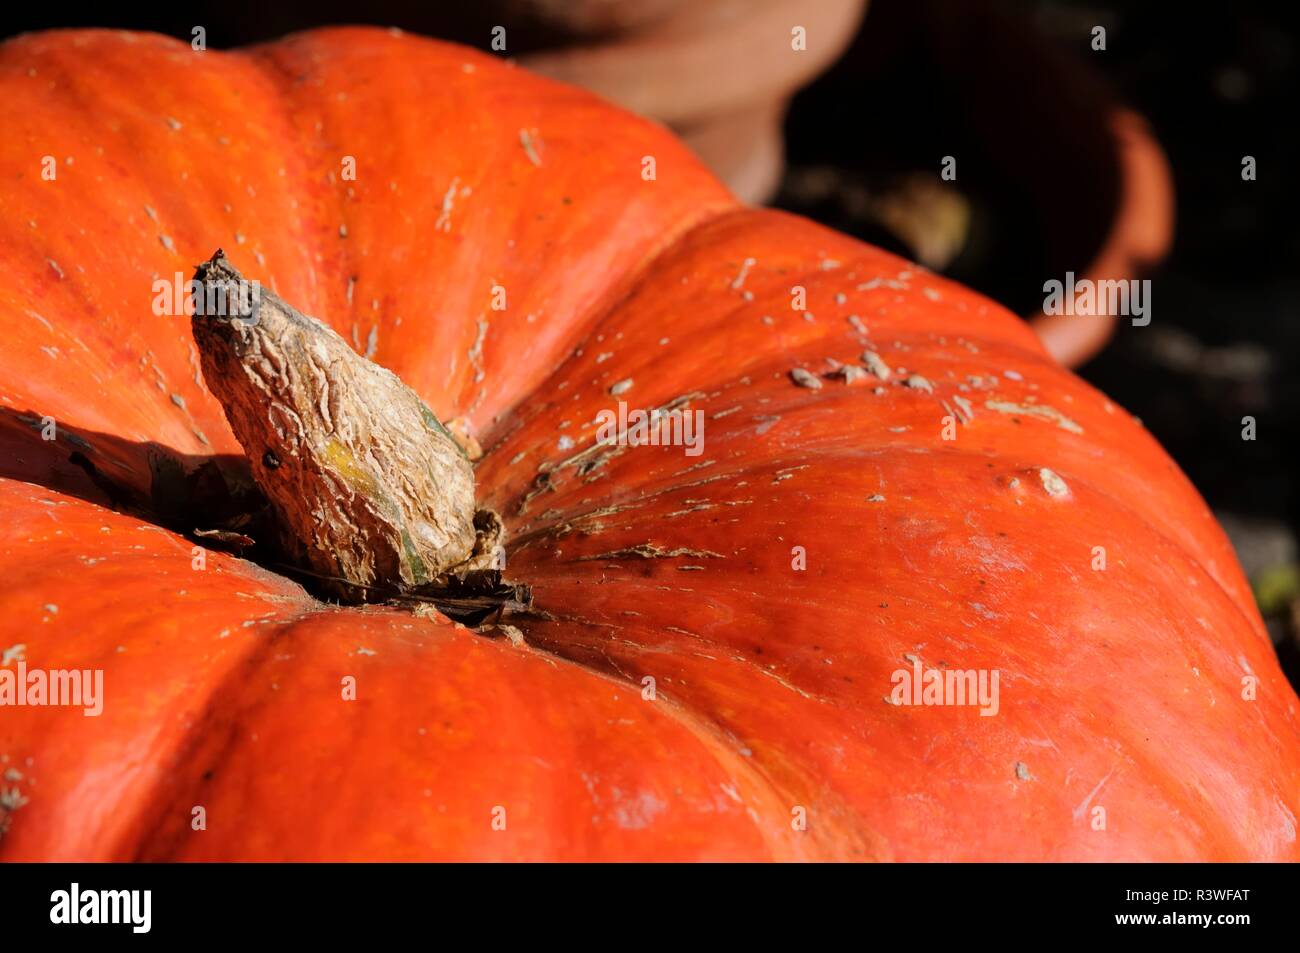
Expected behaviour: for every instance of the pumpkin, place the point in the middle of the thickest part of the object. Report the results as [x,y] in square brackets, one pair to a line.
[894,477]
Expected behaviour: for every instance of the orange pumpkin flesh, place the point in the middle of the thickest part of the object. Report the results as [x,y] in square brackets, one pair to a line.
[1120,689]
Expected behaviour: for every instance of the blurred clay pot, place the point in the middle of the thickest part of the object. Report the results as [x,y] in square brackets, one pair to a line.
[719,72]
[1139,236]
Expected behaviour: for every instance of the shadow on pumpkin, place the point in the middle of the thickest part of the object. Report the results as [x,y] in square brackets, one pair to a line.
[156,483]
[211,499]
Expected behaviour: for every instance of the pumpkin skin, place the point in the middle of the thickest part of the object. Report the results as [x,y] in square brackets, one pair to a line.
[1119,688]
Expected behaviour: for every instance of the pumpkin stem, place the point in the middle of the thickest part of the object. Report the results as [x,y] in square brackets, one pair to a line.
[368,490]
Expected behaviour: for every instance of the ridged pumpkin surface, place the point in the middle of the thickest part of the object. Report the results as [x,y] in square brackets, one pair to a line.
[1119,688]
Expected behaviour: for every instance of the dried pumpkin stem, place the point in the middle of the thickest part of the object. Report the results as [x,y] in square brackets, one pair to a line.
[367,487]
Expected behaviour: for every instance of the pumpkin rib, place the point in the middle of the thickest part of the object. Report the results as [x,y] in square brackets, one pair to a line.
[344,46]
[179,843]
[737,629]
[93,613]
[632,480]
[138,809]
[711,338]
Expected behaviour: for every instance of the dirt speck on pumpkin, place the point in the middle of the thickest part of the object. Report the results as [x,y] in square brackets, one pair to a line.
[805,378]
[849,373]
[1022,772]
[917,382]
[876,365]
[511,632]
[1052,483]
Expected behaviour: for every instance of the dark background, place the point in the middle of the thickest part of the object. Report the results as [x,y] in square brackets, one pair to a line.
[1013,87]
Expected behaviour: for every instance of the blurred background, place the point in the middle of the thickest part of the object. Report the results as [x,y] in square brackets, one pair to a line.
[1115,162]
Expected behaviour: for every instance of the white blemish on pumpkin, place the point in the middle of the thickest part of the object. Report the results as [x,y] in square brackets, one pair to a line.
[739,281]
[174,123]
[1022,772]
[621,387]
[875,498]
[785,684]
[639,813]
[1079,811]
[1012,375]
[917,382]
[808,316]
[604,356]
[443,222]
[1052,483]
[530,148]
[55,265]
[372,341]
[15,653]
[476,352]
[1043,412]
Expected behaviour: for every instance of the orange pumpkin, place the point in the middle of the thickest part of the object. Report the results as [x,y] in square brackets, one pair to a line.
[710,671]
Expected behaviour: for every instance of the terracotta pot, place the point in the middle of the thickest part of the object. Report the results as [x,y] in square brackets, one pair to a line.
[1139,237]
[719,72]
